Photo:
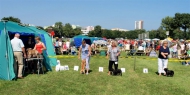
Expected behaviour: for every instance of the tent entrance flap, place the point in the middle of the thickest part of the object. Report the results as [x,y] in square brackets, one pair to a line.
[6,57]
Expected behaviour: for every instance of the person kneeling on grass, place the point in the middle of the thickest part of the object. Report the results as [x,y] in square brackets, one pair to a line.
[84,55]
[113,53]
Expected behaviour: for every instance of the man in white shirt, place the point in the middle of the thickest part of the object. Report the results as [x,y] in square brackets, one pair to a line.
[18,49]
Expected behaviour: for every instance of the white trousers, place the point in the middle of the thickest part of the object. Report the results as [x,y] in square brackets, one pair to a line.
[162,63]
[88,63]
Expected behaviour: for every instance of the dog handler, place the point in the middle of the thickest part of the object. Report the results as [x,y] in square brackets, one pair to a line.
[113,53]
[39,46]
[84,55]
[19,50]
[163,58]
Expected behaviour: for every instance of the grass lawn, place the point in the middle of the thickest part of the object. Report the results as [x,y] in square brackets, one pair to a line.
[99,83]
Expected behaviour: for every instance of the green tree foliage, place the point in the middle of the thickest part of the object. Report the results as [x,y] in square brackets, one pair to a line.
[91,34]
[77,31]
[179,21]
[40,27]
[97,31]
[161,33]
[133,34]
[58,29]
[11,18]
[68,30]
[153,34]
[178,34]
[169,24]
[107,33]
[183,21]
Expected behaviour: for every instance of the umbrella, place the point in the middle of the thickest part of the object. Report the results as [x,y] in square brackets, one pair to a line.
[169,42]
[147,39]
[100,42]
[170,39]
[155,39]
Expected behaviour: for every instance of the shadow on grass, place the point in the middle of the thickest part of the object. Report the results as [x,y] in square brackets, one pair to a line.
[156,73]
[88,71]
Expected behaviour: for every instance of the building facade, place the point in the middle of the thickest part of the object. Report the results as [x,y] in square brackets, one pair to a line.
[87,29]
[139,24]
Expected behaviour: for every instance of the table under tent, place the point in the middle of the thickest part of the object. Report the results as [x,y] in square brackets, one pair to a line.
[7,30]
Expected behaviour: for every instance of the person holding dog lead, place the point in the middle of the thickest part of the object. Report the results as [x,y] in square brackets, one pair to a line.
[113,53]
[163,58]
[84,55]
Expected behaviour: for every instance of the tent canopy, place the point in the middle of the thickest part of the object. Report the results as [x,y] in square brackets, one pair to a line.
[7,29]
[13,27]
[78,40]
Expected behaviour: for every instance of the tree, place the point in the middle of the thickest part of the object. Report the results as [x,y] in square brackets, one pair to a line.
[178,34]
[116,34]
[77,31]
[68,30]
[153,34]
[58,28]
[183,21]
[169,24]
[11,18]
[40,27]
[161,33]
[91,33]
[98,31]
[107,33]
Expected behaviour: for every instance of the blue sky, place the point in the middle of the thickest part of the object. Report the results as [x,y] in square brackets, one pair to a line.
[107,13]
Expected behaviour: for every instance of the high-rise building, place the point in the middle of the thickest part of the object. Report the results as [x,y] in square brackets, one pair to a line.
[139,24]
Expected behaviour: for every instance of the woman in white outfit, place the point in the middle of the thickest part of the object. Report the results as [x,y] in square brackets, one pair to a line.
[163,58]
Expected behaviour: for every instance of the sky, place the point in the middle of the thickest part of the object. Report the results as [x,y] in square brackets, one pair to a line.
[106,13]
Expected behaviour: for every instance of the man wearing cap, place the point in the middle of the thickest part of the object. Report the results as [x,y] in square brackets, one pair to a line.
[19,50]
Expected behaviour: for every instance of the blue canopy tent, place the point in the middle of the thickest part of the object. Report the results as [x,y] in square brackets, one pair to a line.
[78,40]
[7,30]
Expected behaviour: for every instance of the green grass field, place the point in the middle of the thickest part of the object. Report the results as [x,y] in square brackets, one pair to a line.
[99,83]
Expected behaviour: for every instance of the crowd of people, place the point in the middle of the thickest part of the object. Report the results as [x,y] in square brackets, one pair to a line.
[165,49]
